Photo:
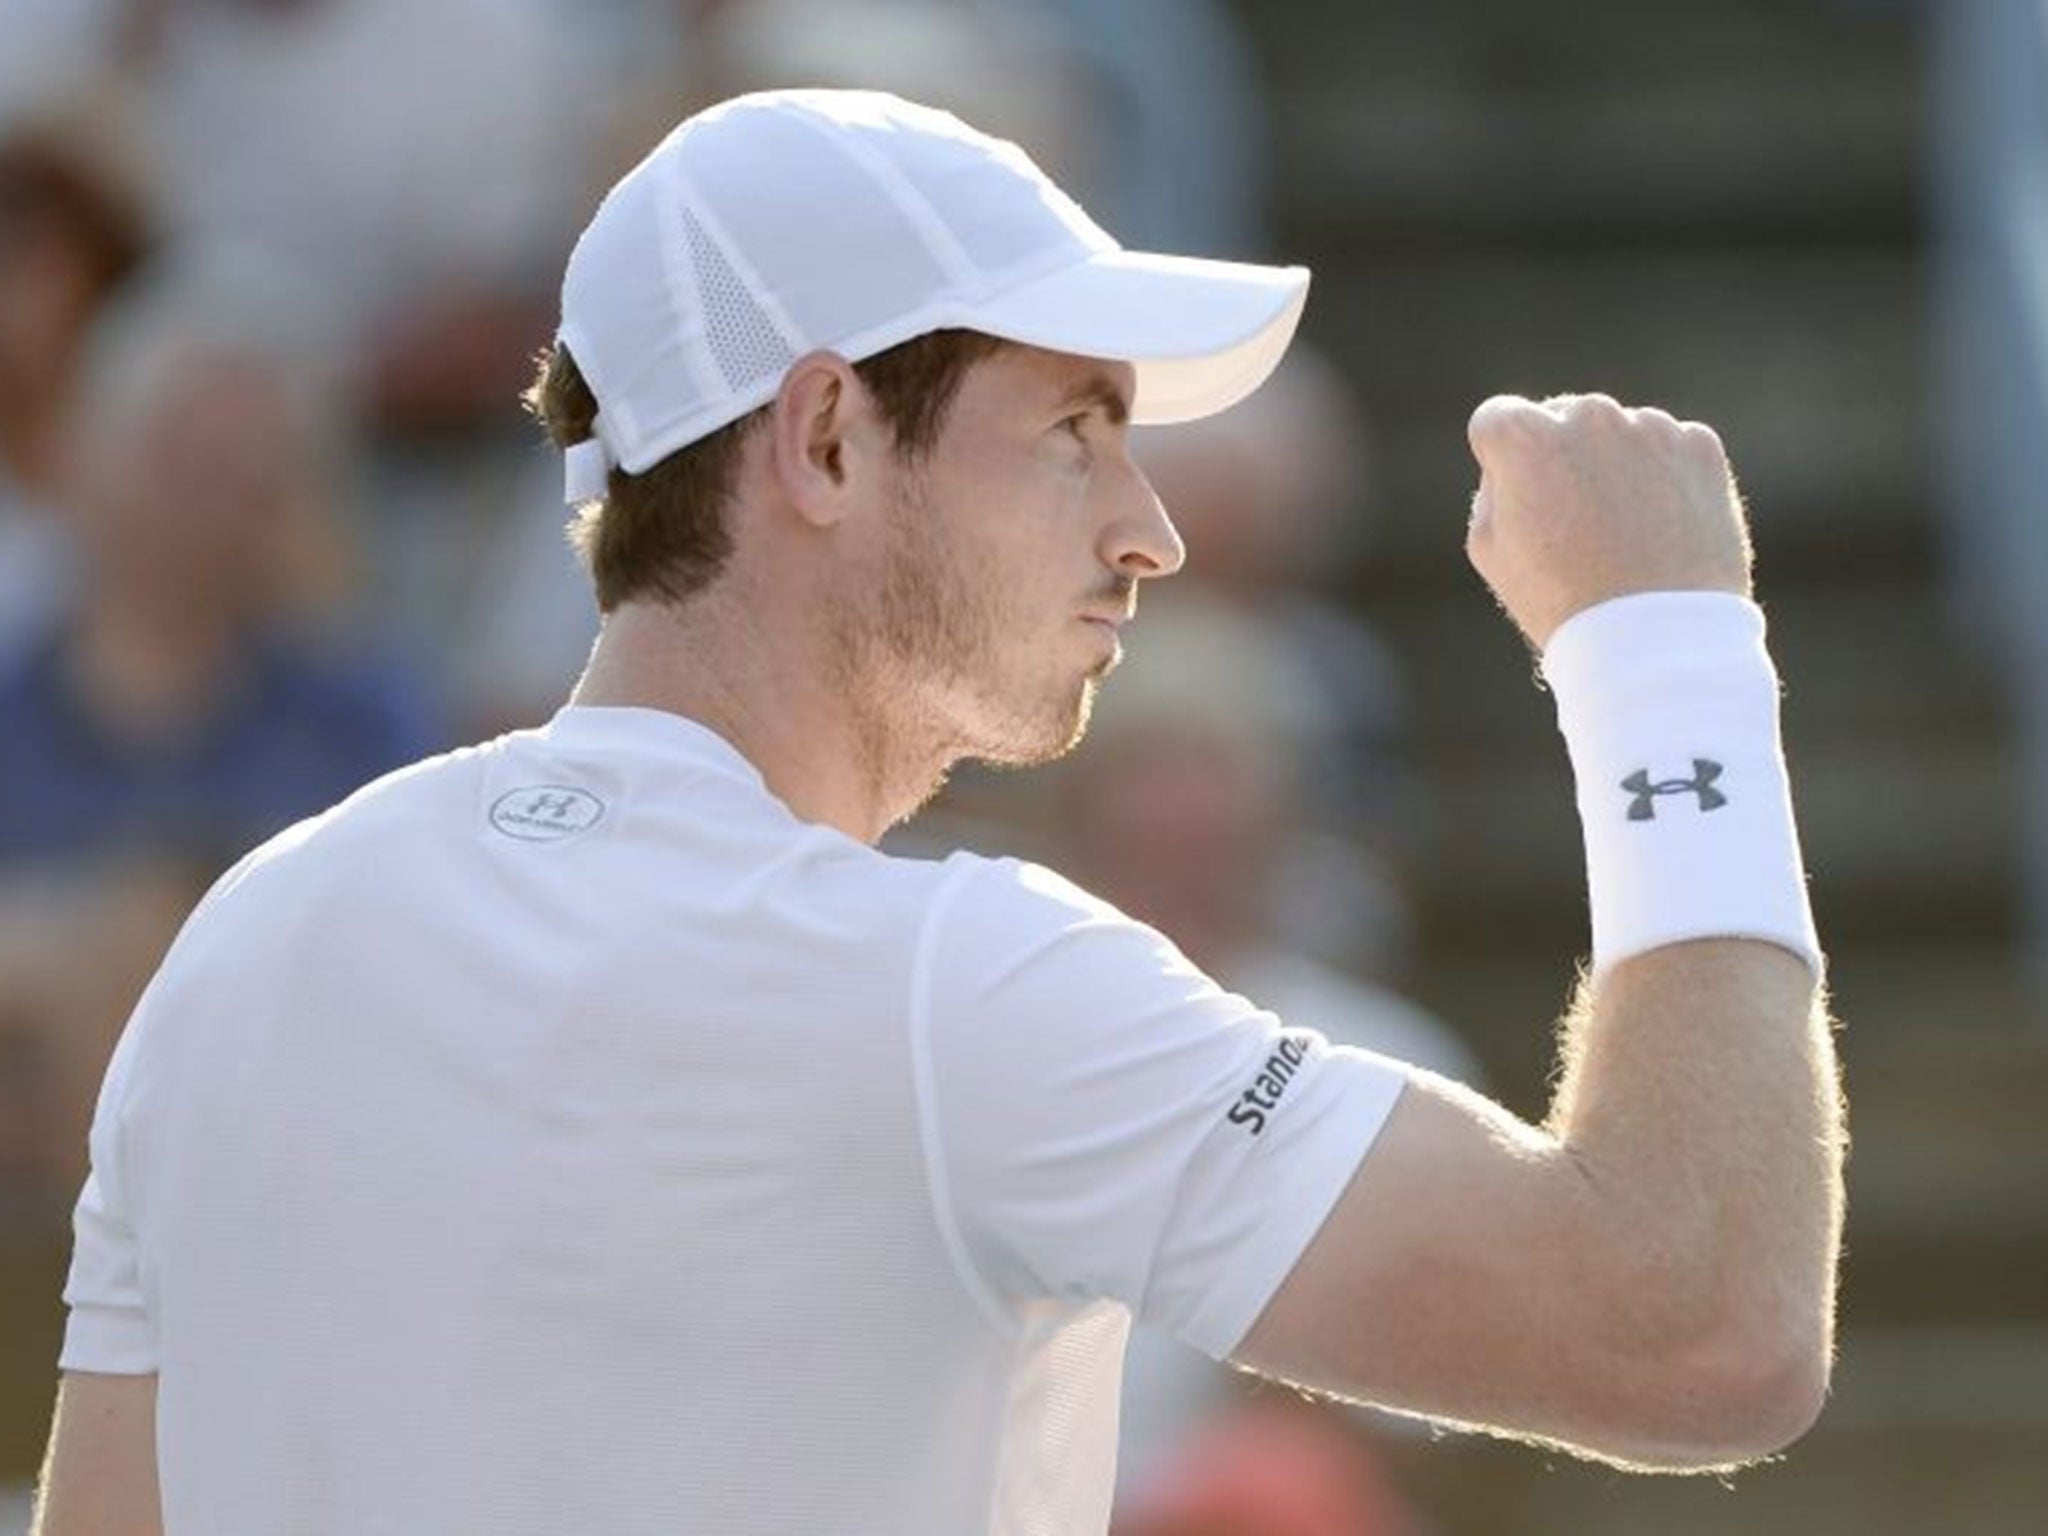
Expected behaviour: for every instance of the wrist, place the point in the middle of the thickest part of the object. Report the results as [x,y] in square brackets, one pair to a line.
[1668,702]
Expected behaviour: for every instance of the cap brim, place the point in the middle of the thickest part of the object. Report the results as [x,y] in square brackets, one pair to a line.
[1201,334]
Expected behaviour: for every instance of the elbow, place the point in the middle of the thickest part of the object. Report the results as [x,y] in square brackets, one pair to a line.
[1747,1395]
[1779,1397]
[1732,1350]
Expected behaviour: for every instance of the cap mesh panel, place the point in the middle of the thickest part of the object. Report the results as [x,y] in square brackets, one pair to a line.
[744,343]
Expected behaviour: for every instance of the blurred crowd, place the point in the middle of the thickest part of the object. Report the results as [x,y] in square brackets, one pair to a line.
[272,273]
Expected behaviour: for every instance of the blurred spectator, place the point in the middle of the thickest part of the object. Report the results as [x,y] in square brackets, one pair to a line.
[1268,497]
[419,166]
[423,170]
[1991,80]
[178,699]
[71,229]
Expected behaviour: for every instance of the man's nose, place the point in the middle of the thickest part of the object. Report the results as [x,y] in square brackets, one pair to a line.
[1141,539]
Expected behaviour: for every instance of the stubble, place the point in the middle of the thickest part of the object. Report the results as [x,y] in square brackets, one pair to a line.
[934,656]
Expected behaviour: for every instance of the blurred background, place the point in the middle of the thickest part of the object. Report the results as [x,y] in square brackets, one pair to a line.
[272,272]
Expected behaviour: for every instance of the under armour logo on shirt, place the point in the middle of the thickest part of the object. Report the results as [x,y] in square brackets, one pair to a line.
[1644,806]
[545,813]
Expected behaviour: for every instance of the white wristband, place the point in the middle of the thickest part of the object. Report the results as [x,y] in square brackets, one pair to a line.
[1669,705]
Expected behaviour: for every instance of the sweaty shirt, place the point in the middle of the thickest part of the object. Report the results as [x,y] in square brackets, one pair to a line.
[560,1135]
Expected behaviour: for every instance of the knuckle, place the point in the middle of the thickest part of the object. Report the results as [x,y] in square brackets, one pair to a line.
[1586,423]
[1500,410]
[1701,435]
[1593,408]
[1503,420]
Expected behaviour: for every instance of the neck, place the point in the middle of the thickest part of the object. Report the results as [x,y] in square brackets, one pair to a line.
[787,700]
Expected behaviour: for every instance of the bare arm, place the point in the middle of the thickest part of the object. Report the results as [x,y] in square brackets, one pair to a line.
[1649,1277]
[100,1478]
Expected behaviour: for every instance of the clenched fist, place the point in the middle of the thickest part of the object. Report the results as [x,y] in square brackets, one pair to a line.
[1581,500]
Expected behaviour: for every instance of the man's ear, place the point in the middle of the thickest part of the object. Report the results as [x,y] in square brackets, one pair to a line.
[826,436]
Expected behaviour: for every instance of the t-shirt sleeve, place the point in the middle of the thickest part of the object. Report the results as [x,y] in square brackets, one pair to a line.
[1102,1120]
[110,1330]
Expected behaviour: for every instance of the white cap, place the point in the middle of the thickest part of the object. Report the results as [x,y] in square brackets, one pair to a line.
[775,224]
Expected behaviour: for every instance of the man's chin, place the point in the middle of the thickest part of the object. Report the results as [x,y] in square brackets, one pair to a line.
[1048,736]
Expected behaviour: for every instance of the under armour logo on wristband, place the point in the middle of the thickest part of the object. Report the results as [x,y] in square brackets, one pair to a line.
[1644,806]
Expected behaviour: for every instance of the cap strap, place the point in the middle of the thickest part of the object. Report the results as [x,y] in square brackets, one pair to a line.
[586,471]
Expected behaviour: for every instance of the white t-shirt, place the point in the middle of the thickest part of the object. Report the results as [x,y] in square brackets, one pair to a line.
[560,1136]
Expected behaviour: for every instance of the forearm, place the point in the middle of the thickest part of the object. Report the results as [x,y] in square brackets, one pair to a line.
[1700,1101]
[100,1476]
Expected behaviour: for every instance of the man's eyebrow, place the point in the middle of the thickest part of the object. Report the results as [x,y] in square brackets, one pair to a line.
[1099,389]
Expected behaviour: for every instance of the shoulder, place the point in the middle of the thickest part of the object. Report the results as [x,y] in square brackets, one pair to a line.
[1006,901]
[1011,928]
[395,811]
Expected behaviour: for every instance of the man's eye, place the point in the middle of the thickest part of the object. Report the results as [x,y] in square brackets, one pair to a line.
[1077,425]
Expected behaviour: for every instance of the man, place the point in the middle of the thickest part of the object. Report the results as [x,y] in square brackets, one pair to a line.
[591,1131]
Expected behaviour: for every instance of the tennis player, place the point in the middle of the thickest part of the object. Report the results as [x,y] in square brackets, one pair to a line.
[591,1131]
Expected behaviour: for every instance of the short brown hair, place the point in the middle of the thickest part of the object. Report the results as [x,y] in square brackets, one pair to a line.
[663,532]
